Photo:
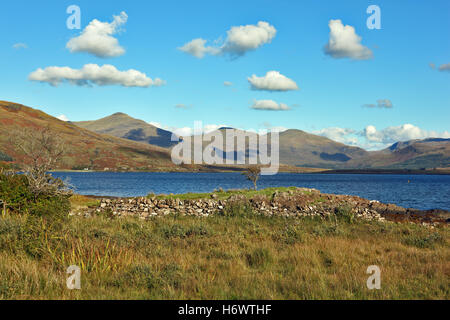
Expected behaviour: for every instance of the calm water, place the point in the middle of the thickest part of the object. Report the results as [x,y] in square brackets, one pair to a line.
[423,191]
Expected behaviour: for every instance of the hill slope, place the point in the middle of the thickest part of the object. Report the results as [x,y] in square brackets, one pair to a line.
[301,148]
[413,154]
[122,125]
[85,149]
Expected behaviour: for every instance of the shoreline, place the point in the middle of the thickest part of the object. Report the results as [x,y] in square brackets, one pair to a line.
[318,171]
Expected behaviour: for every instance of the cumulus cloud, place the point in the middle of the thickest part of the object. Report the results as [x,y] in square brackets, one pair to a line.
[94,74]
[444,67]
[250,37]
[269,105]
[20,46]
[404,132]
[227,83]
[272,81]
[381,103]
[345,43]
[63,118]
[97,38]
[240,39]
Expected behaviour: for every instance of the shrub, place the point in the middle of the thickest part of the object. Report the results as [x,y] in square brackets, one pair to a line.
[15,192]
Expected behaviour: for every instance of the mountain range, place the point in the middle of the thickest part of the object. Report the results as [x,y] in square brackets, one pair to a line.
[120,141]
[299,148]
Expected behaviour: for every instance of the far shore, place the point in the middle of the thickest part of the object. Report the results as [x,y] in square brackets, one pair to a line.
[443,171]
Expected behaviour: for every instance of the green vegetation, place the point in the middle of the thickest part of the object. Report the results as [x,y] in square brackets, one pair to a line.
[237,255]
[18,197]
[225,194]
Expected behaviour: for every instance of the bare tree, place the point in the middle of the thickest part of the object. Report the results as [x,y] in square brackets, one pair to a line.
[252,173]
[41,151]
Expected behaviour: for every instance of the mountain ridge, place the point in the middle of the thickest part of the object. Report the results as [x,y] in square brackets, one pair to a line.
[300,148]
[139,144]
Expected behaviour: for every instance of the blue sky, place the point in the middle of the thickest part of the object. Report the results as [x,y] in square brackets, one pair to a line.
[408,98]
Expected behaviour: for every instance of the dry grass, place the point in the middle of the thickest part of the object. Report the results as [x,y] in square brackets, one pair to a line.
[237,257]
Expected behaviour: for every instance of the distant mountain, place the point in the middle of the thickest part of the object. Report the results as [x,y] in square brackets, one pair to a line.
[122,125]
[309,150]
[85,149]
[297,147]
[413,154]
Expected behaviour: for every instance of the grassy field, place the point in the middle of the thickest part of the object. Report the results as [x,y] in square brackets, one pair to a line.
[218,257]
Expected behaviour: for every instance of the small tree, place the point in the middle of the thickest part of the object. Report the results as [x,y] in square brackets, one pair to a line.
[252,173]
[41,150]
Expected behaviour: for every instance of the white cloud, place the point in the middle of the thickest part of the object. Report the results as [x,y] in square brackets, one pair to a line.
[444,67]
[381,103]
[372,139]
[272,81]
[63,118]
[342,135]
[227,83]
[187,131]
[20,46]
[240,39]
[269,105]
[197,48]
[94,74]
[250,37]
[345,43]
[97,38]
[404,132]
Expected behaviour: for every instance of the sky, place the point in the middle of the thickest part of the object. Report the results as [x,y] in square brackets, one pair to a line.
[309,65]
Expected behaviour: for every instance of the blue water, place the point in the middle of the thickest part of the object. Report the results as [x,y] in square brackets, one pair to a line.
[423,191]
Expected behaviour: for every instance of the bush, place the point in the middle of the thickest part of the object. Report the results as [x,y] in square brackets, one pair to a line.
[16,193]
